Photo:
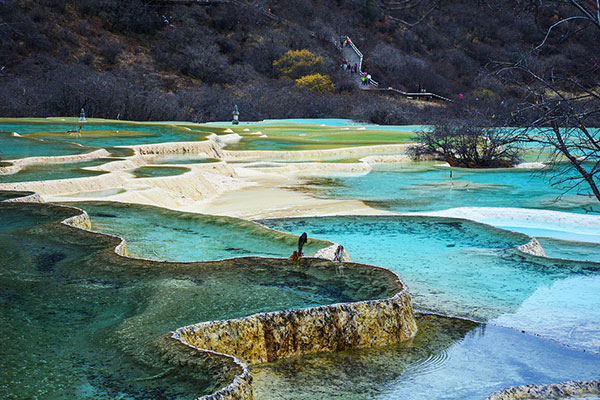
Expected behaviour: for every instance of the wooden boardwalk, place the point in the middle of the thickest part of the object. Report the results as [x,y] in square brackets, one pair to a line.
[354,56]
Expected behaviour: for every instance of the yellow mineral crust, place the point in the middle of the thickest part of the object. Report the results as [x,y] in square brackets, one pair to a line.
[268,337]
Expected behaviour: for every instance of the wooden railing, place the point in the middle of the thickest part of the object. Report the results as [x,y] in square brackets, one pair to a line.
[411,95]
[408,95]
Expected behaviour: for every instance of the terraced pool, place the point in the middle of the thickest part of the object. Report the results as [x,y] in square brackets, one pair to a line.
[55,171]
[12,147]
[190,237]
[58,136]
[156,172]
[419,187]
[83,322]
[448,359]
[456,267]
[105,133]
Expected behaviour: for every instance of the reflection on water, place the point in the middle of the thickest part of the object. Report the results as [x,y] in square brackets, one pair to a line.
[457,267]
[448,359]
[78,321]
[190,237]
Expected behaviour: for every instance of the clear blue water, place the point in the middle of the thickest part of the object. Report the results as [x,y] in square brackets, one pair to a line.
[283,135]
[416,187]
[12,148]
[155,172]
[107,134]
[568,234]
[448,359]
[78,321]
[189,237]
[55,171]
[337,122]
[457,267]
[183,159]
[571,250]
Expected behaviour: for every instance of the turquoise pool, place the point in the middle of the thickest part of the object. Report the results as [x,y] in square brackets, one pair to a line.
[55,171]
[105,134]
[157,172]
[84,323]
[12,148]
[418,187]
[183,159]
[189,237]
[280,134]
[448,359]
[571,250]
[457,267]
[53,137]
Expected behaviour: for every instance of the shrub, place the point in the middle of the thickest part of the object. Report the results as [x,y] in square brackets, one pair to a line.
[110,51]
[316,83]
[296,63]
[469,145]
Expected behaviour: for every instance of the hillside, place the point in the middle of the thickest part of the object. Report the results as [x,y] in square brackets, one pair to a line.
[193,60]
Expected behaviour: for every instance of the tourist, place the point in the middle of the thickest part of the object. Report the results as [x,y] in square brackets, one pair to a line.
[301,241]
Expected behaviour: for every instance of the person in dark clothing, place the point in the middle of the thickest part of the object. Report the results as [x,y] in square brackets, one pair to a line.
[301,241]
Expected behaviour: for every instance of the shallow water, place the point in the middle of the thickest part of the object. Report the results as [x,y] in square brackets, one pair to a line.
[183,159]
[418,187]
[189,237]
[78,321]
[448,359]
[281,135]
[314,137]
[105,133]
[156,172]
[457,267]
[12,194]
[571,250]
[19,147]
[315,134]
[55,171]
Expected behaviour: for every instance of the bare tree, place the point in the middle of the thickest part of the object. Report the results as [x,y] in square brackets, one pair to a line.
[559,110]
[419,10]
[469,144]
